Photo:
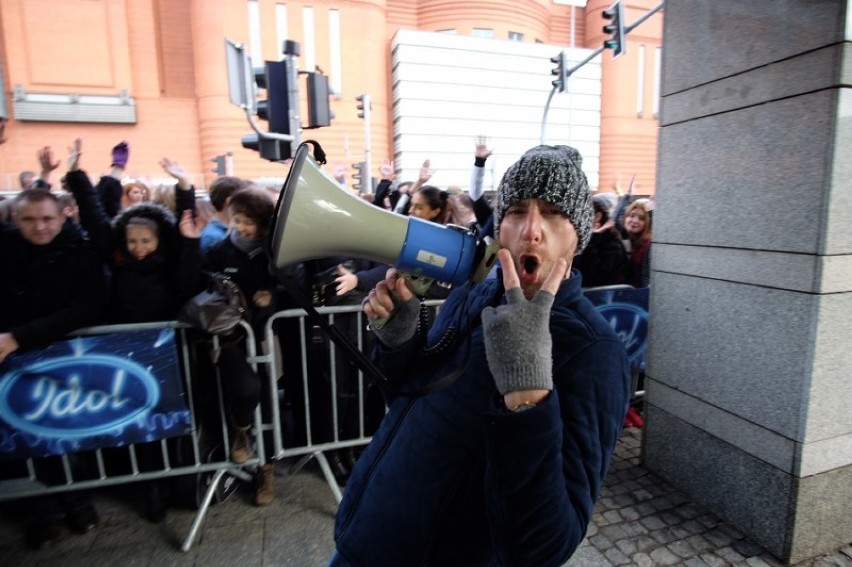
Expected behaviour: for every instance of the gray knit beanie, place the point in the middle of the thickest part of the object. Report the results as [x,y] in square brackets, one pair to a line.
[552,174]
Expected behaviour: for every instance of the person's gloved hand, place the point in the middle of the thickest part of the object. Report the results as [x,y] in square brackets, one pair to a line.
[393,310]
[120,155]
[518,345]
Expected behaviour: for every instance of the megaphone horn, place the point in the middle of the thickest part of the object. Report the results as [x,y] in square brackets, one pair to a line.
[316,218]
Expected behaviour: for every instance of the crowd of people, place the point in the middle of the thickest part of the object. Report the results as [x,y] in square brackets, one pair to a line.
[117,251]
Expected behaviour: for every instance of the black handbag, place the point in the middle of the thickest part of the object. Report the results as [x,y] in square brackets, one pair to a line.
[218,309]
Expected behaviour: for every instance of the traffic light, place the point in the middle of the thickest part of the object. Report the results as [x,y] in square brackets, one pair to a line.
[273,150]
[364,106]
[275,108]
[319,109]
[560,71]
[615,29]
[220,168]
[361,177]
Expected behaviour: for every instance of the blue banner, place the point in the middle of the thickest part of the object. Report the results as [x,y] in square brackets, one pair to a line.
[92,392]
[626,310]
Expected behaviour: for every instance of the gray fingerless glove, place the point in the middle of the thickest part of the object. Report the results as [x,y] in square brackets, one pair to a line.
[401,326]
[518,345]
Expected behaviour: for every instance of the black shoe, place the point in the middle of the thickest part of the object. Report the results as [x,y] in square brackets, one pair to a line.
[155,505]
[82,519]
[42,534]
[338,468]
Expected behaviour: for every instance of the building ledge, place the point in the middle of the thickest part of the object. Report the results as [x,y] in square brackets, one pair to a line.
[40,107]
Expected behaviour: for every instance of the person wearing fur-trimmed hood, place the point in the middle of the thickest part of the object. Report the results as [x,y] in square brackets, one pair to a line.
[154,266]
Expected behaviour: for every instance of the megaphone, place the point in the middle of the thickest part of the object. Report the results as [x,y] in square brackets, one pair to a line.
[316,218]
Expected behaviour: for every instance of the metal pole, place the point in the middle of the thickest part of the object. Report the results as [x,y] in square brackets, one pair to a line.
[293,100]
[366,182]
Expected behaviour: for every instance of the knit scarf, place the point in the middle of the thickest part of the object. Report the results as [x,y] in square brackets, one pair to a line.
[250,246]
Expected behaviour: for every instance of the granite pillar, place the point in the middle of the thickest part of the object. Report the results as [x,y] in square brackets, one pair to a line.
[749,383]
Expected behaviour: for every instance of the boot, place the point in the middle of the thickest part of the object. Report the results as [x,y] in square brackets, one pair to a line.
[265,491]
[241,445]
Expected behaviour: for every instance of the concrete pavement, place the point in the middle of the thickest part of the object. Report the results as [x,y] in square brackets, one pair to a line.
[639,520]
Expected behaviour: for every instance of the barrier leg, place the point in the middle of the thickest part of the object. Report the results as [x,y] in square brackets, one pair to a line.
[326,472]
[202,510]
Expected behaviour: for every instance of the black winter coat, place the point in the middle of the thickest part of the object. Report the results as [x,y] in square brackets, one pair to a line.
[152,289]
[604,261]
[49,291]
[249,271]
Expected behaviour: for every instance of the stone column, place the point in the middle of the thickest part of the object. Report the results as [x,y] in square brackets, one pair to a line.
[749,386]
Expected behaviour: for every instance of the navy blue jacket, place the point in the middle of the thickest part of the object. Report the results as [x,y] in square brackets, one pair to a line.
[452,478]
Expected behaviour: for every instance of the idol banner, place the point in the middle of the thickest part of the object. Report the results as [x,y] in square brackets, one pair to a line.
[626,309]
[92,392]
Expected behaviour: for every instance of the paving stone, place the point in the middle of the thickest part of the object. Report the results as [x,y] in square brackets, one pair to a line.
[700,544]
[719,538]
[694,527]
[633,529]
[612,516]
[681,549]
[630,514]
[729,554]
[713,560]
[735,534]
[748,548]
[625,499]
[709,520]
[757,562]
[587,556]
[613,533]
[627,546]
[653,523]
[601,542]
[643,560]
[642,494]
[644,543]
[688,511]
[695,562]
[616,557]
[662,556]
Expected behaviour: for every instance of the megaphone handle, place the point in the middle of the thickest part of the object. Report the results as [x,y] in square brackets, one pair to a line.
[418,285]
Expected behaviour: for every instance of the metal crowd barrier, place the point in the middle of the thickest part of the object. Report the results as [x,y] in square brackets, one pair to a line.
[317,449]
[174,461]
[624,308]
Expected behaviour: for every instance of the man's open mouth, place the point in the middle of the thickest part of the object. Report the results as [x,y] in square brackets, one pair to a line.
[529,264]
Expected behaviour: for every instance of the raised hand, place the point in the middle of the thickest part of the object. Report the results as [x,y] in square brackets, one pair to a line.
[346,280]
[482,150]
[386,169]
[174,169]
[523,323]
[45,160]
[425,172]
[189,226]
[74,152]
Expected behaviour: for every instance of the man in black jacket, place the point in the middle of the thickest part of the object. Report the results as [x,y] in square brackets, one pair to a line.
[54,282]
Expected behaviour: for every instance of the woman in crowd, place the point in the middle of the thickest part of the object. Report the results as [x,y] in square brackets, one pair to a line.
[637,227]
[604,261]
[243,256]
[154,262]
